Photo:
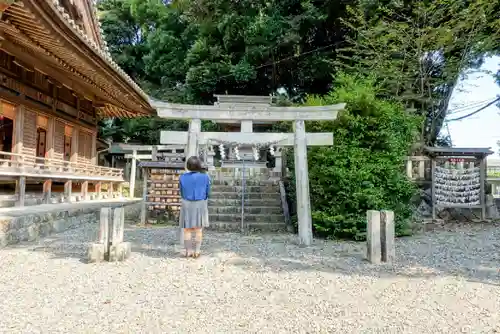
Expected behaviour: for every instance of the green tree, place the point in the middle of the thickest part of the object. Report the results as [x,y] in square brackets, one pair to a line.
[364,169]
[418,50]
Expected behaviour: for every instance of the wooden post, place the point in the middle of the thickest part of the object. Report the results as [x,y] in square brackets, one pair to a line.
[482,192]
[74,146]
[120,190]
[68,189]
[302,188]
[21,191]
[93,160]
[18,130]
[132,174]
[98,189]
[47,191]
[85,190]
[49,152]
[110,190]
[144,196]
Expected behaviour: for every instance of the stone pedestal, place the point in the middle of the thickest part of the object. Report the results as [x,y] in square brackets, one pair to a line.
[110,246]
[380,234]
[120,252]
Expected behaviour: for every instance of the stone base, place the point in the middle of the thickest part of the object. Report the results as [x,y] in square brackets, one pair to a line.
[96,253]
[120,252]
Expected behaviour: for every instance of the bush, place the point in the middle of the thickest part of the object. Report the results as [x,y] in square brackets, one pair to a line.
[364,169]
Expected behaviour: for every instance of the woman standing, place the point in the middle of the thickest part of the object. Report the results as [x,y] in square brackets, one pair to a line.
[195,188]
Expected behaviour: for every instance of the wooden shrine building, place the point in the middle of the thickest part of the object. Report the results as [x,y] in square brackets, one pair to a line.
[57,79]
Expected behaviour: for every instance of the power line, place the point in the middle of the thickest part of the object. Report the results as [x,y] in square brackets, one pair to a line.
[476,111]
[469,106]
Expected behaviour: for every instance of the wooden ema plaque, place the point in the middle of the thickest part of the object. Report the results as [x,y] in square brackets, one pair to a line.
[164,199]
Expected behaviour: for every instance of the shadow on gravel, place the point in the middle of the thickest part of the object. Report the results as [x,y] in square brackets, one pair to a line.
[471,253]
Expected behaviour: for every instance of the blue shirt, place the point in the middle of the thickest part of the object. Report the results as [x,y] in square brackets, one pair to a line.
[194,186]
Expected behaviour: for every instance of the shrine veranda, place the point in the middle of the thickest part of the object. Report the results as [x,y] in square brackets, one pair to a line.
[247,111]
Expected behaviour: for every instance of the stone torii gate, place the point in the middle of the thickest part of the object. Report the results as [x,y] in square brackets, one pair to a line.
[248,110]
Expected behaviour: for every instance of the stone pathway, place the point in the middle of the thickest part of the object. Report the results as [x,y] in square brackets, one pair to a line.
[444,282]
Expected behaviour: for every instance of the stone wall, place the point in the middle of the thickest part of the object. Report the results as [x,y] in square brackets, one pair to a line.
[34,226]
[35,222]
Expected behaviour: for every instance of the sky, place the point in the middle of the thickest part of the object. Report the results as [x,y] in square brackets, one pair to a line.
[482,129]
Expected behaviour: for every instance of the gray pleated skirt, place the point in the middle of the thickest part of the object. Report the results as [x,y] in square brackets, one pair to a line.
[194,214]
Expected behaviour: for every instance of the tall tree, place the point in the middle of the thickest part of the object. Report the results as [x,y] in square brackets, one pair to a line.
[419,49]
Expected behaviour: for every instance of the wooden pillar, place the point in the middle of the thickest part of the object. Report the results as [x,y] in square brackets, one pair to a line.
[21,191]
[120,190]
[302,188]
[98,189]
[49,154]
[132,174]
[18,148]
[68,189]
[47,191]
[110,190]
[144,206]
[85,190]
[74,146]
[93,160]
[18,130]
[482,192]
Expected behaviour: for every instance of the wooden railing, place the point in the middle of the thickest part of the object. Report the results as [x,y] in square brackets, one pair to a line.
[13,164]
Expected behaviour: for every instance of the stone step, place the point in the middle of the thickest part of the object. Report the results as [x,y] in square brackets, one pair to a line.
[248,210]
[233,226]
[250,218]
[275,201]
[251,196]
[248,189]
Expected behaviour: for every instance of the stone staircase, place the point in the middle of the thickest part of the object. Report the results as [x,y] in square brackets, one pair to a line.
[262,204]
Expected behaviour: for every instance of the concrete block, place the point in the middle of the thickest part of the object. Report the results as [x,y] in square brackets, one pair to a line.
[373,247]
[96,252]
[387,236]
[120,252]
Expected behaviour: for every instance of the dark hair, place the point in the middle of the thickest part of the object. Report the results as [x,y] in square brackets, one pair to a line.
[194,164]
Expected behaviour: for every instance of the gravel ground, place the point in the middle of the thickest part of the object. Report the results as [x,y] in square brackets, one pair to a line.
[443,282]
